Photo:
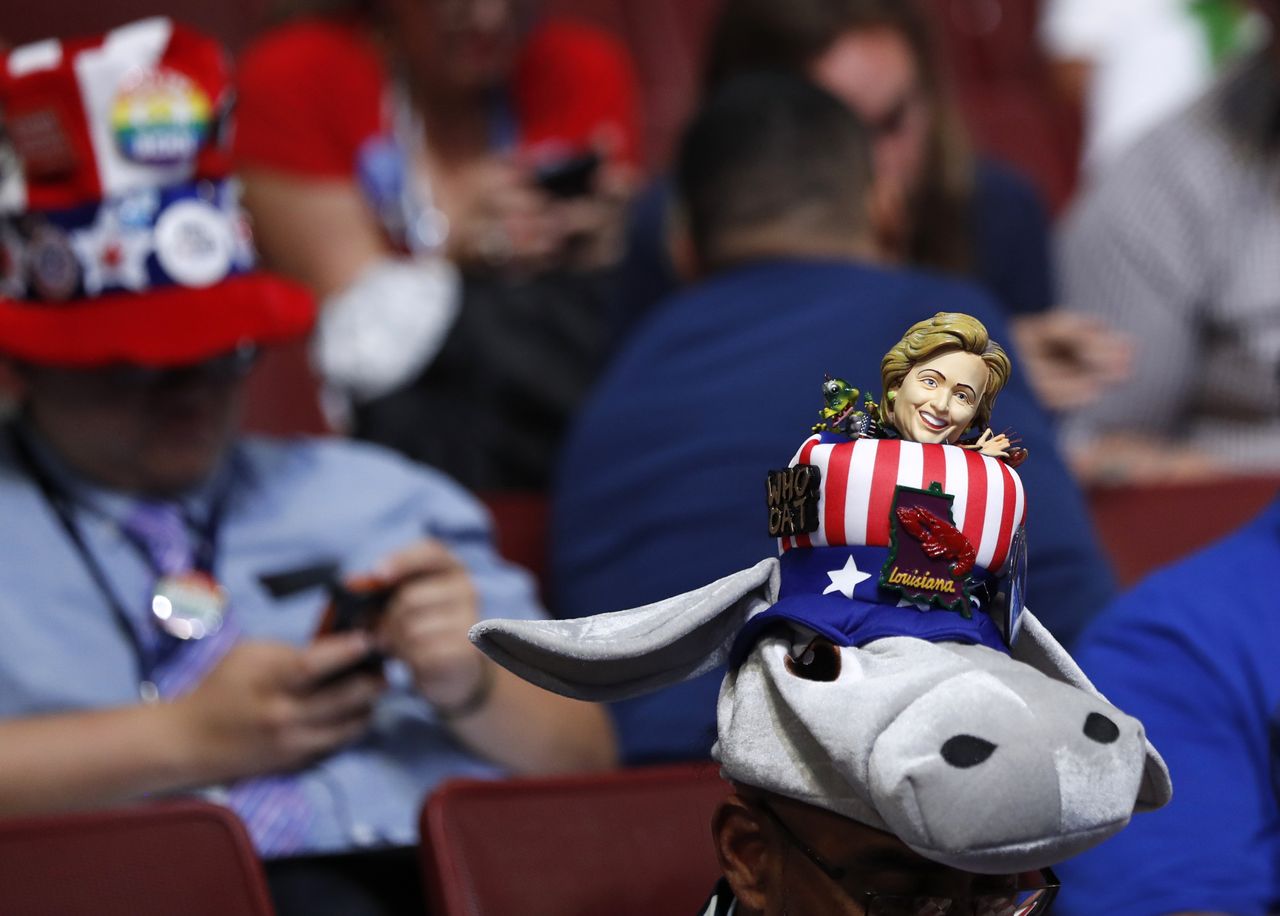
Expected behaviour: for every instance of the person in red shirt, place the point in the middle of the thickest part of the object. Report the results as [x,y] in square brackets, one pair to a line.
[406,157]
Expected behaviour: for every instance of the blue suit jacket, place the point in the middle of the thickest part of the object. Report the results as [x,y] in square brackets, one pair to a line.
[661,485]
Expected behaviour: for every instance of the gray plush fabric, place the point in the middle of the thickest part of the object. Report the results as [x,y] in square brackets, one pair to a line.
[623,654]
[974,759]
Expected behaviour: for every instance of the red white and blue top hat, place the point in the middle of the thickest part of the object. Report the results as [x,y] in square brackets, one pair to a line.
[885,537]
[871,669]
[121,235]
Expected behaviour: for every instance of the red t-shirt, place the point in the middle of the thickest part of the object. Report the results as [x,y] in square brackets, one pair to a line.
[312,92]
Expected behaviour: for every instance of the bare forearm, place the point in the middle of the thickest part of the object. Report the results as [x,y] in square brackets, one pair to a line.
[258,711]
[85,759]
[319,232]
[1135,459]
[533,732]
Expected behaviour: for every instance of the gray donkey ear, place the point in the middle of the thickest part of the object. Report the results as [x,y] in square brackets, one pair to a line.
[627,653]
[1037,647]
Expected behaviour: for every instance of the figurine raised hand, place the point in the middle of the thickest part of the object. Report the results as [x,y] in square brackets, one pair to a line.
[997,445]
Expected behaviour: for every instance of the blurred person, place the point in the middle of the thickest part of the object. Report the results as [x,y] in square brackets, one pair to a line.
[939,207]
[781,855]
[774,177]
[449,177]
[1174,246]
[1191,651]
[164,579]
[1104,54]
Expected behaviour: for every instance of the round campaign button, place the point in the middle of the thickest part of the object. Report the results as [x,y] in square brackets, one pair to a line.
[189,605]
[1017,587]
[52,264]
[194,243]
[160,117]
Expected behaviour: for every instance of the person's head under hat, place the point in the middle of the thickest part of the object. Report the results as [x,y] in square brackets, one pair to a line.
[130,308]
[903,735]
[873,773]
[782,856]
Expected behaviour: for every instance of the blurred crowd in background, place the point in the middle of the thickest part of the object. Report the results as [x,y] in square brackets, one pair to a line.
[476,191]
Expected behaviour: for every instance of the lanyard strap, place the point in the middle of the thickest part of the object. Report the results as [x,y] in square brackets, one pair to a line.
[63,508]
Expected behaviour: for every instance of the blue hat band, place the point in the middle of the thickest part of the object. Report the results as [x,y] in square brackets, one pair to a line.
[835,591]
[191,235]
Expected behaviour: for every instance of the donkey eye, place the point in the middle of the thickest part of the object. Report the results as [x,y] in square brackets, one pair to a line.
[818,661]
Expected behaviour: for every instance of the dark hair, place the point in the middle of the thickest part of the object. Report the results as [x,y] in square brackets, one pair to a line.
[791,34]
[1248,105]
[772,149]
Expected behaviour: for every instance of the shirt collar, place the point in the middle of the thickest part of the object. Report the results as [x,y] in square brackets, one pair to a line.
[722,902]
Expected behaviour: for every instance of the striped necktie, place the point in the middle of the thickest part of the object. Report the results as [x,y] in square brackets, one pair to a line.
[273,807]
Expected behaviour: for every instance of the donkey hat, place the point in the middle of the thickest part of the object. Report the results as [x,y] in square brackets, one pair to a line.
[883,666]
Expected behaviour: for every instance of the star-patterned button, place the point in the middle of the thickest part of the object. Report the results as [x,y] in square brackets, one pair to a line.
[113,255]
[845,580]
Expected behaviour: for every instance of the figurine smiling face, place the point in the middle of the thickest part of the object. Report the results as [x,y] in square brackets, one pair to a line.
[938,399]
[942,379]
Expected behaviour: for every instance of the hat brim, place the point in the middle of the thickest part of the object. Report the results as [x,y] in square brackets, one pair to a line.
[171,326]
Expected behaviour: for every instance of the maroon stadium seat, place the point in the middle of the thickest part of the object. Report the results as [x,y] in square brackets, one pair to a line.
[626,843]
[230,21]
[187,857]
[520,522]
[1142,528]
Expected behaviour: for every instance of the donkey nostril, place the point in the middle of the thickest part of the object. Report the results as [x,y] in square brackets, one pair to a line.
[964,751]
[1100,728]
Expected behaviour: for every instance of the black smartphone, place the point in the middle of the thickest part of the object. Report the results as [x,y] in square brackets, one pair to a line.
[571,177]
[355,606]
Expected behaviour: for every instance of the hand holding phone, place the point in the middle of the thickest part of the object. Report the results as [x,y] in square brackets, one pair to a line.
[572,176]
[587,194]
[435,605]
[357,604]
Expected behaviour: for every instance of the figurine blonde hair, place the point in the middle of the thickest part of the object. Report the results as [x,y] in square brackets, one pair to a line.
[943,333]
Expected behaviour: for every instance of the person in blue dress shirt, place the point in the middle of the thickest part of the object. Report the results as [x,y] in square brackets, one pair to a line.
[163,581]
[653,492]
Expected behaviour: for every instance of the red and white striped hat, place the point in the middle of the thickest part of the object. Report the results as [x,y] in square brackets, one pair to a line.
[885,537]
[121,235]
[860,477]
